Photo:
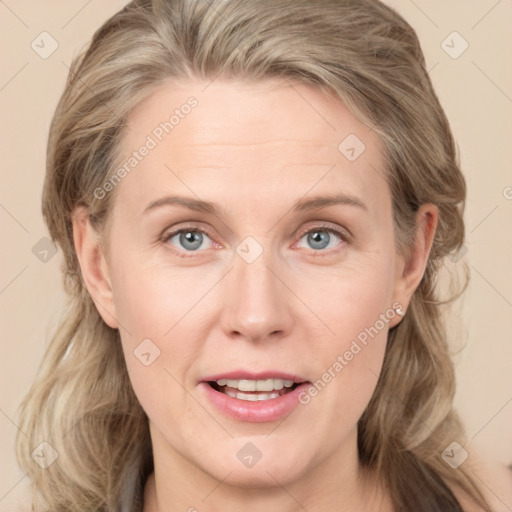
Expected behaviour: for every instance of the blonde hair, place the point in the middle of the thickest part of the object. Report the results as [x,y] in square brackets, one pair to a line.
[82,402]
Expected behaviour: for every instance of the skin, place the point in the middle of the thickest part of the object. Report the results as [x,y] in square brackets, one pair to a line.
[254,150]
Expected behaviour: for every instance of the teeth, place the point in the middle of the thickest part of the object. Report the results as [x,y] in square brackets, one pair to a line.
[256,385]
[251,397]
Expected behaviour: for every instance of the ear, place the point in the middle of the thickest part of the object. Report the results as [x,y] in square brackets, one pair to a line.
[93,266]
[410,268]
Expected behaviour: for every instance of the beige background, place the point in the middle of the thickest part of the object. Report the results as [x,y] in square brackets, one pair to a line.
[476,90]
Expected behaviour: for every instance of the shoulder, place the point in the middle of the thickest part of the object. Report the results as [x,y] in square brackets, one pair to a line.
[495,482]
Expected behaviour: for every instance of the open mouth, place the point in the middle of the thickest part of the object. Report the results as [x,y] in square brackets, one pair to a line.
[261,397]
[253,390]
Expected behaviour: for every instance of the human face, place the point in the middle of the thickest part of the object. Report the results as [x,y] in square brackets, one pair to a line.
[261,288]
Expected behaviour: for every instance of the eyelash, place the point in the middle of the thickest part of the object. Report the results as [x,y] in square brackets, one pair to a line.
[345,238]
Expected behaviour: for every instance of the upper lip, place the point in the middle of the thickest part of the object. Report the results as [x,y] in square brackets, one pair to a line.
[248,375]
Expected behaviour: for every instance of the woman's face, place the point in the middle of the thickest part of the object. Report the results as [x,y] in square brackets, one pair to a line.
[251,244]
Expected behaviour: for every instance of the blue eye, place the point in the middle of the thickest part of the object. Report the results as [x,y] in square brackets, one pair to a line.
[192,239]
[189,239]
[321,238]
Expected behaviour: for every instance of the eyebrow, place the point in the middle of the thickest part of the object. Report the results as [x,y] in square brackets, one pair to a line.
[303,205]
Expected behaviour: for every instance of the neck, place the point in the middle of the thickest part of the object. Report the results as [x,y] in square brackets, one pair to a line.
[178,484]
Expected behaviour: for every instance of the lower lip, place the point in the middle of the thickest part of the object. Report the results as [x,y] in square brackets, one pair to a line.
[260,411]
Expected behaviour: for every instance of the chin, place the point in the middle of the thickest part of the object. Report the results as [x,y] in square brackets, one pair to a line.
[264,467]
[263,476]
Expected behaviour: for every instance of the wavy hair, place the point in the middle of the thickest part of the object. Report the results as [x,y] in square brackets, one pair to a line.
[369,57]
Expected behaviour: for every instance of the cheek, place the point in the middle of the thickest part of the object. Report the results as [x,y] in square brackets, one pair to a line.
[352,298]
[159,310]
[151,299]
[355,305]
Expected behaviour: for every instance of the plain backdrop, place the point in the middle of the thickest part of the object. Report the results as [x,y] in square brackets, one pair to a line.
[467,44]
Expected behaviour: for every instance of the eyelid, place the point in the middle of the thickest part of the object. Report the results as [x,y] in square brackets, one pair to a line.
[170,232]
[343,233]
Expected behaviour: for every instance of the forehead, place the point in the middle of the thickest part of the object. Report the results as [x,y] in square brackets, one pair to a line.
[235,137]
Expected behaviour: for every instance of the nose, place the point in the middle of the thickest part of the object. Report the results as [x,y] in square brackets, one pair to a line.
[257,302]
